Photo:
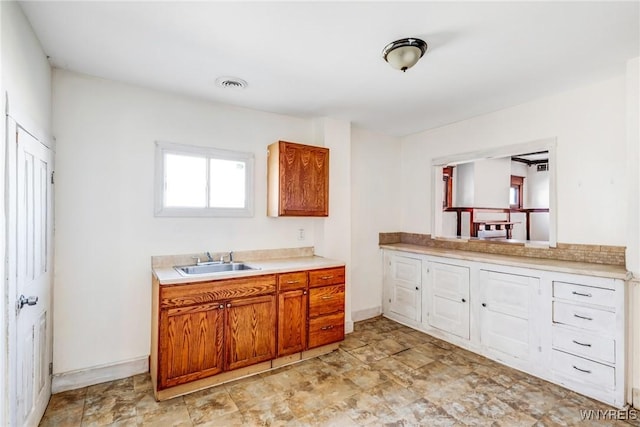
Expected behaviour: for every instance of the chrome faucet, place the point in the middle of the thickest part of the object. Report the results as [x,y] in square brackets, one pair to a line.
[231,257]
[209,256]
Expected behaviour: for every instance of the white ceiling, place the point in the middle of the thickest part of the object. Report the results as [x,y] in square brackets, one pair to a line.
[314,59]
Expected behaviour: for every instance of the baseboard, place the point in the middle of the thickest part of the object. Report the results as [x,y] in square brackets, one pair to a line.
[366,313]
[99,374]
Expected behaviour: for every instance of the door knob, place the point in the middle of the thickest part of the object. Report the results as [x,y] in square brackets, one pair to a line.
[22,301]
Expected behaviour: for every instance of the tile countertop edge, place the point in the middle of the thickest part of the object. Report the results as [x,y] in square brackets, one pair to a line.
[571,267]
[169,276]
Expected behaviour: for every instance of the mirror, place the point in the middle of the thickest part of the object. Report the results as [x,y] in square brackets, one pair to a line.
[505,194]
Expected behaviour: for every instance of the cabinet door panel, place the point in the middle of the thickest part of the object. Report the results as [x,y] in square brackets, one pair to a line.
[449,298]
[406,282]
[190,344]
[250,331]
[304,172]
[292,322]
[505,318]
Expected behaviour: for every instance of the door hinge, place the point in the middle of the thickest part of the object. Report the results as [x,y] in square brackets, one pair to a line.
[53,173]
[50,368]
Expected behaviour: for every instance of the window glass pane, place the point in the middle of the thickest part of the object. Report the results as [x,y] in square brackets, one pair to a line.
[227,179]
[185,181]
[513,196]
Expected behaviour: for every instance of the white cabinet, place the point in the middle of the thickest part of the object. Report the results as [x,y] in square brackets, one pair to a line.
[507,324]
[587,336]
[404,283]
[447,298]
[565,328]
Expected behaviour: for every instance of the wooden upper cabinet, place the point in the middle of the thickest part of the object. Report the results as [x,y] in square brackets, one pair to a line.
[297,180]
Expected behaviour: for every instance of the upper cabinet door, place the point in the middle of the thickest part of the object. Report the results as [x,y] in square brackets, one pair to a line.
[298,180]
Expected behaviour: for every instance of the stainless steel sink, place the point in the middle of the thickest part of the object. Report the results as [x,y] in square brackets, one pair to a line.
[213,268]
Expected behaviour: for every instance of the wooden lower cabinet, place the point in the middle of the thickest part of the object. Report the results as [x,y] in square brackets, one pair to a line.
[292,322]
[191,344]
[207,329]
[250,331]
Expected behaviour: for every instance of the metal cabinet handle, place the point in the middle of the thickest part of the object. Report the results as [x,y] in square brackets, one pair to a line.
[327,297]
[324,328]
[582,344]
[228,305]
[581,370]
[291,282]
[581,294]
[22,301]
[326,277]
[304,292]
[221,306]
[582,317]
[484,304]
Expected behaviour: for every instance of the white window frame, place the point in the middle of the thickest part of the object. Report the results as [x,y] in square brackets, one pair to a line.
[163,148]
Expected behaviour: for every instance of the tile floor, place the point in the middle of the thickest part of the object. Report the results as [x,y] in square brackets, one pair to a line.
[383,374]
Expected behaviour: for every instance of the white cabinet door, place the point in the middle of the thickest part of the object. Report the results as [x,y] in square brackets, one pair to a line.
[405,278]
[506,301]
[448,298]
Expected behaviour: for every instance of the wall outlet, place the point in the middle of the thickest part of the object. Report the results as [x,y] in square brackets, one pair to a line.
[301,234]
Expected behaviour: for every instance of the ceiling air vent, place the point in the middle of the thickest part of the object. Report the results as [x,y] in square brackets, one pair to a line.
[543,167]
[231,82]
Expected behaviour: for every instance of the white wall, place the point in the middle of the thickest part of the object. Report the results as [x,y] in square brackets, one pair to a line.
[375,207]
[589,124]
[465,187]
[25,80]
[492,180]
[105,228]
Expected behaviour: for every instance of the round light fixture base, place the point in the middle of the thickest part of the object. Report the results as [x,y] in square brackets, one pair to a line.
[404,53]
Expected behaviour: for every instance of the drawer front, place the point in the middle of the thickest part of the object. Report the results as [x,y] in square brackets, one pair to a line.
[216,290]
[328,276]
[584,371]
[326,329]
[589,319]
[292,281]
[584,294]
[584,344]
[326,300]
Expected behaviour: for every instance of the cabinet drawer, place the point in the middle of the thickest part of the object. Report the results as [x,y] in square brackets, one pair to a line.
[589,319]
[584,294]
[292,281]
[583,371]
[216,290]
[328,276]
[584,344]
[326,329]
[326,300]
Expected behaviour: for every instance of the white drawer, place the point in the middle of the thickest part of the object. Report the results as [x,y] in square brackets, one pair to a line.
[584,344]
[584,294]
[583,371]
[589,319]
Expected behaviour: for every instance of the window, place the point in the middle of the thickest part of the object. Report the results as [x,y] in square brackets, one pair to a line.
[200,181]
[515,192]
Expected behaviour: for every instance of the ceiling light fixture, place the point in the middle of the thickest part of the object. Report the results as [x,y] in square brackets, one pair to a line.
[404,53]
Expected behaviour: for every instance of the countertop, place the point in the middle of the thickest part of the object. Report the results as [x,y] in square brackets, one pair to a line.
[571,267]
[170,276]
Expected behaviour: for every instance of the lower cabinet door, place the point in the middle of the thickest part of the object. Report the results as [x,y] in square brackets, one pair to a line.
[250,331]
[292,322]
[326,329]
[405,277]
[191,344]
[448,298]
[505,318]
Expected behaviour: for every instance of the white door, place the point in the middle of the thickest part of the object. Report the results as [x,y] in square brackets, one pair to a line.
[448,298]
[406,282]
[505,313]
[33,210]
